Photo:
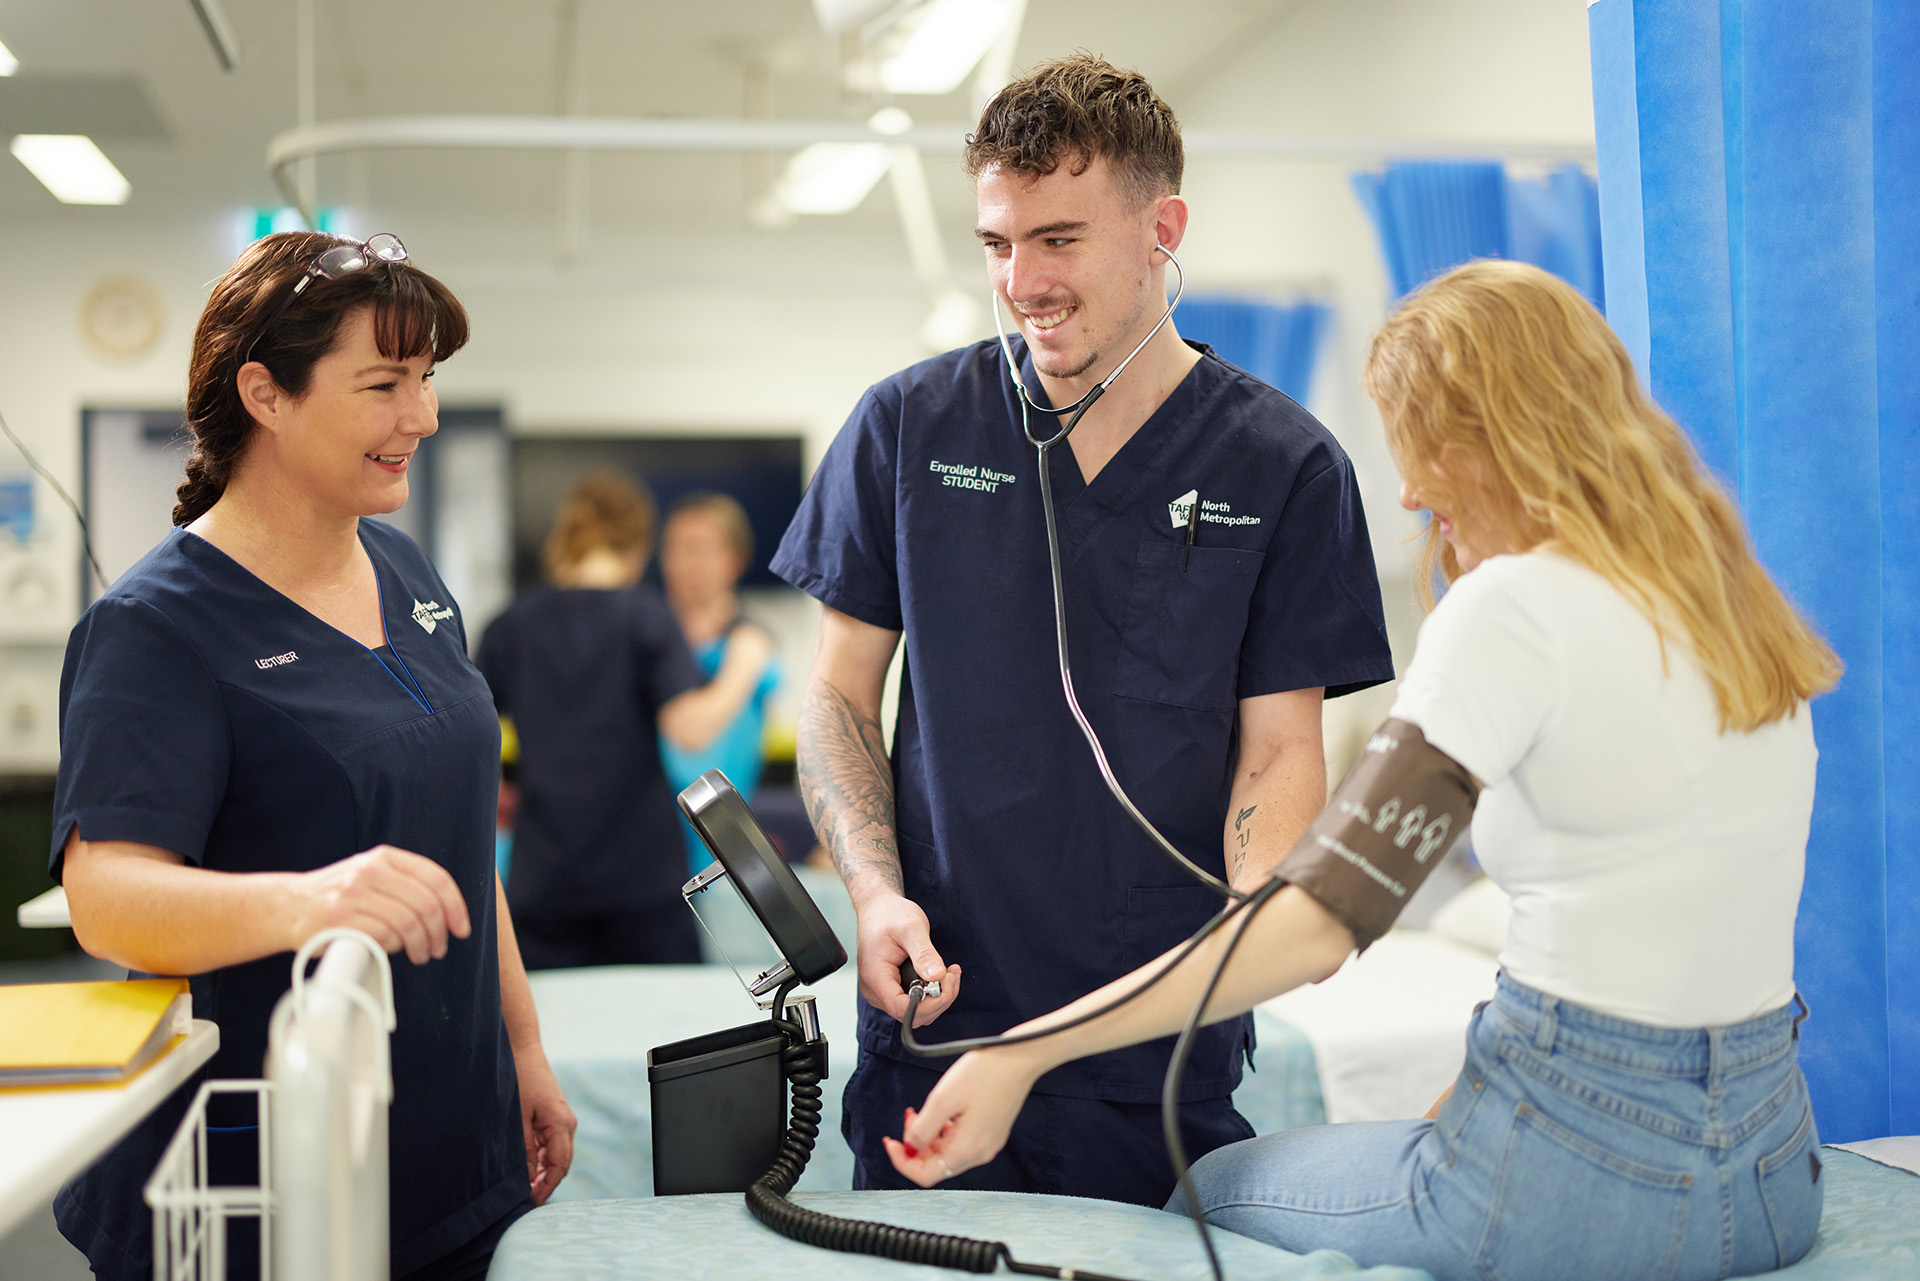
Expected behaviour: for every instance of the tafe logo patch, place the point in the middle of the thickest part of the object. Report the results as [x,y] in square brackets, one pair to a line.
[430,614]
[1180,511]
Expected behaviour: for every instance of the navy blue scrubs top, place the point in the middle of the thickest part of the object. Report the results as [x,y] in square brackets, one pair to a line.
[583,674]
[205,713]
[924,516]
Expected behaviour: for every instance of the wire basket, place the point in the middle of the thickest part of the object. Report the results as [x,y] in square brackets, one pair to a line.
[190,1218]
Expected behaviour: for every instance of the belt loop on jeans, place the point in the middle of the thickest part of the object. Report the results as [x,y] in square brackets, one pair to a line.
[1549,1023]
[1799,1018]
[1716,1057]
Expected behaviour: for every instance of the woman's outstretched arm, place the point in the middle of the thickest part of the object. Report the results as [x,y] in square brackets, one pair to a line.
[966,1120]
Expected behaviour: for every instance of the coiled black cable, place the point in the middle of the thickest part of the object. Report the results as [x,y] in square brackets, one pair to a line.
[767,1199]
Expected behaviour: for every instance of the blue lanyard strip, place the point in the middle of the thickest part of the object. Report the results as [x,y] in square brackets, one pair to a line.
[411,684]
[408,683]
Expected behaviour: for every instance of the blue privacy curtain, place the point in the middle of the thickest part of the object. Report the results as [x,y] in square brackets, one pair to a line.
[1760,195]
[1432,215]
[1276,344]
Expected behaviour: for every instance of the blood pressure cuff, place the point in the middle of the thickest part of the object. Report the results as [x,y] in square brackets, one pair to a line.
[1391,820]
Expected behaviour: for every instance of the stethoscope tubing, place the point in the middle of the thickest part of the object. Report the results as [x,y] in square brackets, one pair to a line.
[1044,446]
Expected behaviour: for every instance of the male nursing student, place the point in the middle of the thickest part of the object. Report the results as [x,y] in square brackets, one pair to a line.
[987,850]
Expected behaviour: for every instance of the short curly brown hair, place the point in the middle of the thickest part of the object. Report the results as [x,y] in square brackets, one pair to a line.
[1073,109]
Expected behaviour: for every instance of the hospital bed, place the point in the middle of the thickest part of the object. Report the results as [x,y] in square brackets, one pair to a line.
[1871,1230]
[1380,1040]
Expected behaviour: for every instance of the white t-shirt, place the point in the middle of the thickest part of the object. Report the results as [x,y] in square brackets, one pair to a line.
[1654,862]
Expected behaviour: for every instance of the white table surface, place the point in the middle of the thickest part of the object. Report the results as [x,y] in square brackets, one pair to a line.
[45,911]
[49,1135]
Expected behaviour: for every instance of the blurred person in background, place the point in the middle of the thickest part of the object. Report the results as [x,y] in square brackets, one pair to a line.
[593,672]
[705,548]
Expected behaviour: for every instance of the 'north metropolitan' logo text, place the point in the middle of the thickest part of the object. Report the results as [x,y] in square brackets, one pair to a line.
[1180,511]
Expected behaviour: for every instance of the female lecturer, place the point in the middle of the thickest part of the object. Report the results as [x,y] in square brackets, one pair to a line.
[270,727]
[1622,687]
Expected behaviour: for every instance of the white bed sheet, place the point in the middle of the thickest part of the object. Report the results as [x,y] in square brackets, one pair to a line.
[1389,1030]
[1901,1151]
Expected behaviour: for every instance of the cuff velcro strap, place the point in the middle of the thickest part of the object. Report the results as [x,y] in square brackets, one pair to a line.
[1393,817]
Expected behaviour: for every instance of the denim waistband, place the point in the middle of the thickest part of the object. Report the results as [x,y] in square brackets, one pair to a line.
[1549,1021]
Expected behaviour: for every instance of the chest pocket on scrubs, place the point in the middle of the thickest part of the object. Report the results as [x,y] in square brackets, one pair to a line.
[1185,622]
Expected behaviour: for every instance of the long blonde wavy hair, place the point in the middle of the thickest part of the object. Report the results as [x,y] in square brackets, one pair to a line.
[1504,392]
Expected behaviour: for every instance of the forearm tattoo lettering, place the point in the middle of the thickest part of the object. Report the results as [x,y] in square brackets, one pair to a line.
[846,782]
[1242,837]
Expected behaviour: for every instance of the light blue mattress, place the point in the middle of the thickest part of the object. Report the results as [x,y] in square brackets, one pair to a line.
[693,1237]
[1871,1231]
[604,1222]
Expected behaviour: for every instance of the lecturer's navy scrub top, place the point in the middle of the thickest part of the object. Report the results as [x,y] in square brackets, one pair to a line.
[924,516]
[205,713]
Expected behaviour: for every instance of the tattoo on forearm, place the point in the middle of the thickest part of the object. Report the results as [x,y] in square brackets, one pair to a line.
[846,782]
[1242,836]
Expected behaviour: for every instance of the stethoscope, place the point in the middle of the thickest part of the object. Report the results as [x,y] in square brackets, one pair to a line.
[1043,446]
[1237,902]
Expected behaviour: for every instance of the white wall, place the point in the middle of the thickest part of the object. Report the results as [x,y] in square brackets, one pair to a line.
[705,329]
[1467,69]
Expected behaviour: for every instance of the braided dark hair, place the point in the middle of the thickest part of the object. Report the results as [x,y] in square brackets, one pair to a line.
[413,315]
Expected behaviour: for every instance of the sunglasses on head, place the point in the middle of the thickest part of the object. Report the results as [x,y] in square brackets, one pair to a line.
[341,260]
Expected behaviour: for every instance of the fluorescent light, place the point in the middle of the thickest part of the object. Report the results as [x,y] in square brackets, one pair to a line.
[949,41]
[832,177]
[72,168]
[890,120]
[8,63]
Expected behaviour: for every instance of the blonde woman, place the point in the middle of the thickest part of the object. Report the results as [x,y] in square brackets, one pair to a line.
[1619,675]
[594,672]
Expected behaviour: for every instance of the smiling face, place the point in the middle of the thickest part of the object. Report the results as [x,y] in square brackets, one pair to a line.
[1466,523]
[1074,261]
[348,442]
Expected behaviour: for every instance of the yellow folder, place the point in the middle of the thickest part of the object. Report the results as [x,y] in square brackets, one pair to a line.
[73,1033]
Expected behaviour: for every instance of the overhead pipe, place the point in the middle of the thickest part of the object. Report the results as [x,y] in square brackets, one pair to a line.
[575,133]
[213,21]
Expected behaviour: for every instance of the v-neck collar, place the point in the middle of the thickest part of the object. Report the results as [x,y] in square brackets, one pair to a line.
[359,533]
[1081,506]
[409,683]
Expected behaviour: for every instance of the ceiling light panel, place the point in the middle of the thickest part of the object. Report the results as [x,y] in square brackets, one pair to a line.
[949,42]
[72,168]
[832,177]
[8,63]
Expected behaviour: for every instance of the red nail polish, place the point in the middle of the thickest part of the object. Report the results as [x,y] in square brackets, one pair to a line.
[911,1150]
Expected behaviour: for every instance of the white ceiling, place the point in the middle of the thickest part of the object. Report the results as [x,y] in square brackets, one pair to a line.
[715,58]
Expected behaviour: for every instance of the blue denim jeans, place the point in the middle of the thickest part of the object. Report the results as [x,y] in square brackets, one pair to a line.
[1574,1146]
